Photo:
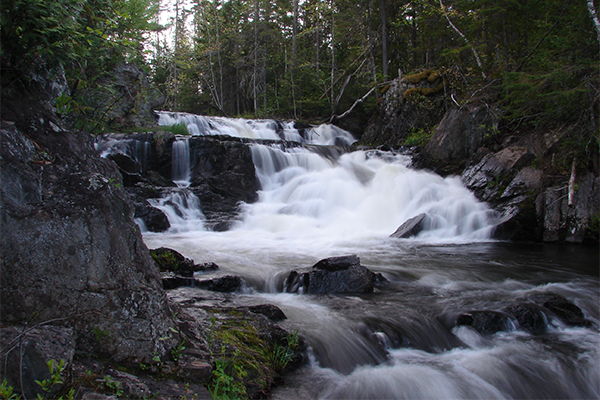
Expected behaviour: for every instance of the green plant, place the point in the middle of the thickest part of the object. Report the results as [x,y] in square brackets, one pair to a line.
[64,104]
[6,392]
[57,371]
[224,384]
[177,129]
[100,335]
[418,137]
[176,351]
[112,386]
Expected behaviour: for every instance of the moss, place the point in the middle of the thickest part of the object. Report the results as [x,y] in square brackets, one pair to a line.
[248,360]
[418,77]
[420,91]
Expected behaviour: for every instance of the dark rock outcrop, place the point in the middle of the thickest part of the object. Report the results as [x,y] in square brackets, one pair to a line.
[485,322]
[460,134]
[532,314]
[408,104]
[70,248]
[222,174]
[334,275]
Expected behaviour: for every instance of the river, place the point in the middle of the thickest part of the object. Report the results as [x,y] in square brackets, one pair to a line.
[402,341]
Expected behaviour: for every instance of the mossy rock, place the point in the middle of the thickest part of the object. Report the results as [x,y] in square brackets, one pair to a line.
[418,77]
[169,260]
[250,352]
[423,91]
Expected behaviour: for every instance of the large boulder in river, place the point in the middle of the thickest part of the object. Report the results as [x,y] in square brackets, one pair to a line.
[411,227]
[333,275]
[71,251]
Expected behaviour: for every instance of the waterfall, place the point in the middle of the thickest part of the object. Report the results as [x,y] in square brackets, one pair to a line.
[199,125]
[138,149]
[182,208]
[180,164]
[360,194]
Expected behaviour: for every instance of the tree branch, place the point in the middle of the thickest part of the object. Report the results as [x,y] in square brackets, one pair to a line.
[465,38]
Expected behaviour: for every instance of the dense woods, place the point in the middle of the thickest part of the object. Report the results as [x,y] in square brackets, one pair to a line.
[313,59]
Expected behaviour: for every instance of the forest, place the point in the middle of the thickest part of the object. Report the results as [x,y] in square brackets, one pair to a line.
[312,60]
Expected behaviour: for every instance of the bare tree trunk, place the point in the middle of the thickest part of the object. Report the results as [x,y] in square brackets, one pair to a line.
[384,54]
[255,74]
[571,194]
[332,56]
[219,60]
[594,16]
[294,57]
[465,38]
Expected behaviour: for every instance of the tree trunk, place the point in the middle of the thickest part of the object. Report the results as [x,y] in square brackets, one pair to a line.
[465,39]
[594,16]
[384,54]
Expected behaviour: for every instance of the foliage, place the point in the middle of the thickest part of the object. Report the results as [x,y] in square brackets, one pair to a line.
[418,137]
[177,129]
[6,391]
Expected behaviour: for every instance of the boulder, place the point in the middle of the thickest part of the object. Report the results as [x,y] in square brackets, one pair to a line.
[485,322]
[411,227]
[332,276]
[171,260]
[334,264]
[154,219]
[270,311]
[530,317]
[70,246]
[408,104]
[461,133]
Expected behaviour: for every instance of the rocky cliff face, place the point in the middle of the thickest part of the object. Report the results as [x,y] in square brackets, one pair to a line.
[71,253]
[505,171]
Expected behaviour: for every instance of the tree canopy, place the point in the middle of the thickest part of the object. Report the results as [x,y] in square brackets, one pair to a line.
[312,59]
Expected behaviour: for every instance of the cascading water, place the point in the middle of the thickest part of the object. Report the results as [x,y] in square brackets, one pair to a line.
[180,164]
[137,149]
[199,125]
[399,342]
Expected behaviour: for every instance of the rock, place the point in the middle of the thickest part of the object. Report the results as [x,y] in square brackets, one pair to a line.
[223,284]
[485,322]
[461,133]
[531,317]
[270,311]
[333,264]
[400,113]
[343,275]
[563,309]
[492,168]
[171,281]
[26,352]
[171,260]
[135,97]
[194,370]
[131,386]
[70,247]
[411,227]
[154,219]
[125,163]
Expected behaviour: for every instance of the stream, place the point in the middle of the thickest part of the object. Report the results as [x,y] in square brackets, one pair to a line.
[402,341]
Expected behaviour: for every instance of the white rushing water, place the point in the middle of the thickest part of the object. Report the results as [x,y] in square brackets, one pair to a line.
[316,202]
[199,125]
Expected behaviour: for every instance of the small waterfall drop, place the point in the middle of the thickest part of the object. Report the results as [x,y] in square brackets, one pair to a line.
[180,164]
[182,208]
